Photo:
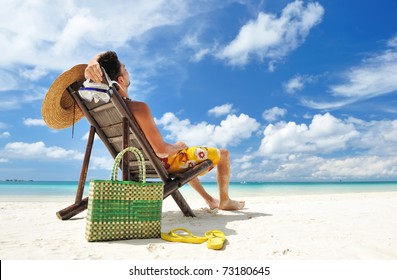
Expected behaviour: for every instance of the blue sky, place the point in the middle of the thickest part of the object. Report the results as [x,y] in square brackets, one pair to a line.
[296,90]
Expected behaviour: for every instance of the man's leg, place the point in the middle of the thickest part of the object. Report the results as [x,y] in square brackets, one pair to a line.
[223,178]
[197,186]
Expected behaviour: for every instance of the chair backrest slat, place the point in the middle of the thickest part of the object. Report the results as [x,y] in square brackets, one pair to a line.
[108,121]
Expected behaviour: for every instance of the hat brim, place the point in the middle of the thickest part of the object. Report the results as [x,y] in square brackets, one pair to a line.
[59,109]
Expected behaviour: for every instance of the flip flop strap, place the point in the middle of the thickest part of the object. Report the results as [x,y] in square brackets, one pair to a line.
[180,229]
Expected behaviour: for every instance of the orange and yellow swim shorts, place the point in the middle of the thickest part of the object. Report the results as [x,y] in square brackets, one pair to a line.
[190,157]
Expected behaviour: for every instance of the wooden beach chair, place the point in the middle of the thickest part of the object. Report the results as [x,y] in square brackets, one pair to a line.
[118,129]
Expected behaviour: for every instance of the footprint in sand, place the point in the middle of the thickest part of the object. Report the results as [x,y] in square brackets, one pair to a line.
[154,247]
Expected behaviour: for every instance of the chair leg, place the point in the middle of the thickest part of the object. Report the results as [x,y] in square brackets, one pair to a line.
[183,205]
[72,210]
[84,168]
[80,204]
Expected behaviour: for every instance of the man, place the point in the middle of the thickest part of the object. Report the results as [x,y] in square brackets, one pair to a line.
[177,156]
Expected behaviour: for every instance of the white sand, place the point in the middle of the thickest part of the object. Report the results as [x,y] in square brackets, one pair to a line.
[316,227]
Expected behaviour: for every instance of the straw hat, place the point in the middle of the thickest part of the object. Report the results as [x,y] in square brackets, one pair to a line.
[59,109]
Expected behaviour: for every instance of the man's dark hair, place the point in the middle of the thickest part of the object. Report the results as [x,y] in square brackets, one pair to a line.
[111,63]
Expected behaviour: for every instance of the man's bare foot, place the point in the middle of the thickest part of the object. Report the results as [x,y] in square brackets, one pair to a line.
[213,203]
[231,205]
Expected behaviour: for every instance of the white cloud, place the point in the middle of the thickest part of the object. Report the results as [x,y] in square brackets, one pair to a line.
[11,103]
[19,99]
[327,149]
[3,125]
[44,37]
[33,74]
[34,95]
[3,160]
[375,76]
[298,83]
[274,114]
[323,105]
[234,129]
[34,122]
[230,131]
[302,167]
[7,80]
[358,167]
[273,37]
[325,134]
[4,135]
[294,84]
[85,136]
[376,137]
[40,151]
[104,162]
[244,163]
[191,42]
[56,34]
[200,54]
[392,42]
[224,109]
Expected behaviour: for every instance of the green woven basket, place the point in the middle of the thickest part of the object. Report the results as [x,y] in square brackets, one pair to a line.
[124,209]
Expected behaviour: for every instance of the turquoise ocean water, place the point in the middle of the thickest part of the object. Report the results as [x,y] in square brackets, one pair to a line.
[34,190]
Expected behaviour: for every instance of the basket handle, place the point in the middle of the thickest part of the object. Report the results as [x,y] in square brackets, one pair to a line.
[141,160]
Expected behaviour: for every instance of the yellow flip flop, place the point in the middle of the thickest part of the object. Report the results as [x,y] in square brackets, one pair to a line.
[216,239]
[185,237]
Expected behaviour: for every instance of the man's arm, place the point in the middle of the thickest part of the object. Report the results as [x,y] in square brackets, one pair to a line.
[93,71]
[141,112]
